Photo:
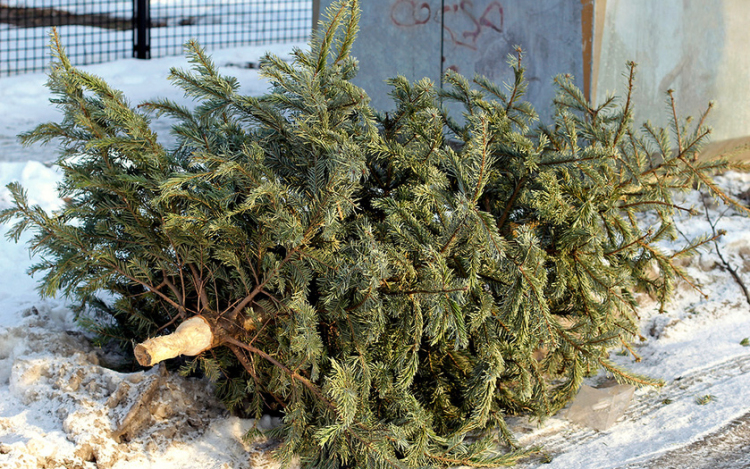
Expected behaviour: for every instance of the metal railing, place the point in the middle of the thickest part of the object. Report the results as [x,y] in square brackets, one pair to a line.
[95,31]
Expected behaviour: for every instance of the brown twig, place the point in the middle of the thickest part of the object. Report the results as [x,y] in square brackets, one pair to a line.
[676,121]
[724,262]
[509,206]
[306,382]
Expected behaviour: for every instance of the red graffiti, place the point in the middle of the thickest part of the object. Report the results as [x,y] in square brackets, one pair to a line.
[492,18]
[409,13]
[413,13]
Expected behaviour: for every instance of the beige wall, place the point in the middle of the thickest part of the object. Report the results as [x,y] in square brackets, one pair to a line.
[698,48]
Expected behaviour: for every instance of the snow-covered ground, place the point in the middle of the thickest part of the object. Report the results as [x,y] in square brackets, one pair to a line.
[24,99]
[60,407]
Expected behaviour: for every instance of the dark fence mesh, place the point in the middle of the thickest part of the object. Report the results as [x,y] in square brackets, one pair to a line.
[215,24]
[95,31]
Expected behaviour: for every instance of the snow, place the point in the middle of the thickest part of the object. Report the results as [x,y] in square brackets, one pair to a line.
[61,406]
[694,347]
[24,99]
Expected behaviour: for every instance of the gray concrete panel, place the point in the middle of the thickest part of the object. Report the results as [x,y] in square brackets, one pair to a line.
[479,35]
[397,37]
[404,37]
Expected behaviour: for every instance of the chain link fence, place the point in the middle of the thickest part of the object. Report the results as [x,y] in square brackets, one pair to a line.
[95,31]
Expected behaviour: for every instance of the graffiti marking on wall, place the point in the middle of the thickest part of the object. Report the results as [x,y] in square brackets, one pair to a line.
[410,13]
[460,22]
[492,17]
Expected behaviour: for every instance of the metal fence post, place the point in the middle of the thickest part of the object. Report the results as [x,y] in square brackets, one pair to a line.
[141,29]
[315,14]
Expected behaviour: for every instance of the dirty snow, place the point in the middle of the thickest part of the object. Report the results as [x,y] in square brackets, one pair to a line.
[61,407]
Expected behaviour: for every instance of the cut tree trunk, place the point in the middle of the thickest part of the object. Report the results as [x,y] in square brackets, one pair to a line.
[191,338]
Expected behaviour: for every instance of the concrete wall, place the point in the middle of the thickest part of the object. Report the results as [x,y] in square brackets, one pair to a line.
[423,38]
[698,48]
[478,37]
[397,37]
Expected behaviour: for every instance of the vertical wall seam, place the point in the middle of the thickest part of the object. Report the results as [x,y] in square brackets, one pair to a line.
[442,37]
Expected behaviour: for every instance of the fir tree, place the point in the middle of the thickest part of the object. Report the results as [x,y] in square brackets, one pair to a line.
[394,284]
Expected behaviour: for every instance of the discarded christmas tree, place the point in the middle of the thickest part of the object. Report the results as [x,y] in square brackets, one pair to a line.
[392,288]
